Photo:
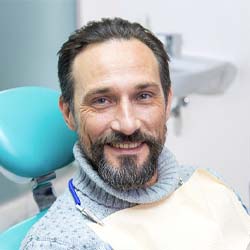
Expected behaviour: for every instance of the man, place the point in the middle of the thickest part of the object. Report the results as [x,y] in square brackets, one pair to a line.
[116,94]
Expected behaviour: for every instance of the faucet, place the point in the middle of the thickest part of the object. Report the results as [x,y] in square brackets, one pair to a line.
[173,45]
[176,113]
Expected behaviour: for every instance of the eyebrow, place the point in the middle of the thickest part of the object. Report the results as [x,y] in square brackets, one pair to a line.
[147,85]
[106,90]
[96,92]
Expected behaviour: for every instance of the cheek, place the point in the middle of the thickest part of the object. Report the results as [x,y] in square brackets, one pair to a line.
[154,120]
[92,125]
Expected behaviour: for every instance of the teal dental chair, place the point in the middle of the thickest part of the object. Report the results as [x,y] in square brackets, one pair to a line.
[34,142]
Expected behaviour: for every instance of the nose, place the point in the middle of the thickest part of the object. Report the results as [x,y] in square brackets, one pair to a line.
[125,120]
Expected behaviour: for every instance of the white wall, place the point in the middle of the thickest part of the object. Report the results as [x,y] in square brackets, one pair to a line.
[216,130]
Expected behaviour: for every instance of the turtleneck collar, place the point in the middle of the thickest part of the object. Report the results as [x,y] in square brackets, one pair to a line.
[88,182]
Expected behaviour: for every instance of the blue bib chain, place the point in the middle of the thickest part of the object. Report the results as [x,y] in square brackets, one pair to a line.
[84,211]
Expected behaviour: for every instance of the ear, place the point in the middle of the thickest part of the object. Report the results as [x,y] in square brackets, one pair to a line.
[67,114]
[169,103]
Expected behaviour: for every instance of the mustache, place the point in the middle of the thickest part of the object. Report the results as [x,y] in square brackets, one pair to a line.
[118,137]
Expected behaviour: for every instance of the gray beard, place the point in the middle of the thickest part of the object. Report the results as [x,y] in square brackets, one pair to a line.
[128,175]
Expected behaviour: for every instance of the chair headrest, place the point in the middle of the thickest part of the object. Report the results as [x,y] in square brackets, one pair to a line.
[34,139]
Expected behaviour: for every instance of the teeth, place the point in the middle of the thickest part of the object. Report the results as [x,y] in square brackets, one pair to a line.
[125,145]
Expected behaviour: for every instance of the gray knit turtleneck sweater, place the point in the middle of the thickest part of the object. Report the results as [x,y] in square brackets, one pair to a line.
[64,227]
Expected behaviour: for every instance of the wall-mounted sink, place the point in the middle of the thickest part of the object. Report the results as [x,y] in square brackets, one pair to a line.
[197,75]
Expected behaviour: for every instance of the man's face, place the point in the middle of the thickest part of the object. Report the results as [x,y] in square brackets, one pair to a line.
[119,111]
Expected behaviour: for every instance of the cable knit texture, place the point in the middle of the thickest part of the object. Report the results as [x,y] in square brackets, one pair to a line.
[64,227]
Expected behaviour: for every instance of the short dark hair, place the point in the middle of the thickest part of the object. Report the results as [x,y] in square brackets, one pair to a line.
[101,31]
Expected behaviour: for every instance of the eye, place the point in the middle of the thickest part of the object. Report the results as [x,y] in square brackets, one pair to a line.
[144,96]
[101,102]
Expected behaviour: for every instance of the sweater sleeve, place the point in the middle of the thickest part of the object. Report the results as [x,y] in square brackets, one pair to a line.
[49,245]
[41,245]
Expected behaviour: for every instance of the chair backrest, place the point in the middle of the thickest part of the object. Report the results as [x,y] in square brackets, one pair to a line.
[34,141]
[11,239]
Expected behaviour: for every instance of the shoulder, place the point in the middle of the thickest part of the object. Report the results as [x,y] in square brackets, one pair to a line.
[62,227]
[187,171]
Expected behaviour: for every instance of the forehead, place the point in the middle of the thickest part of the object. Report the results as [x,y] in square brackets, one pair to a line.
[114,63]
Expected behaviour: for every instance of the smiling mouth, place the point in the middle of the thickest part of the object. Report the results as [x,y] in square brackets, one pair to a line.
[130,145]
[126,148]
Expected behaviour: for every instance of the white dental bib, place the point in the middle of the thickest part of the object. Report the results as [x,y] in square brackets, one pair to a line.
[203,214]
